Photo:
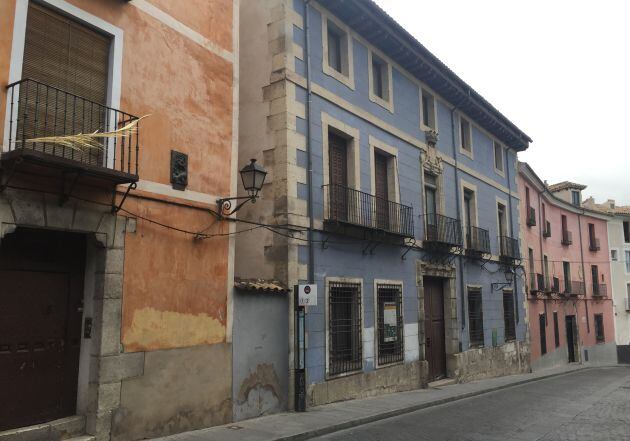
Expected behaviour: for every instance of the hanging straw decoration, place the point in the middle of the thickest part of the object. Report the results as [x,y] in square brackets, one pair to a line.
[85,142]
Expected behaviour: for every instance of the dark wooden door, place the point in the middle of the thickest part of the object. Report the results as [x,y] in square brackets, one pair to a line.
[338,176]
[40,328]
[381,191]
[571,326]
[435,348]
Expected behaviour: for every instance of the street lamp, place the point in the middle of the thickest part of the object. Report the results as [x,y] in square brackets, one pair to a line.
[509,279]
[253,177]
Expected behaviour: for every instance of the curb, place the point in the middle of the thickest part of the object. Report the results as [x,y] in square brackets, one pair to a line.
[405,410]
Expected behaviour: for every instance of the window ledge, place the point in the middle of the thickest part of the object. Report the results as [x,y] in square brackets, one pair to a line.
[467,153]
[342,78]
[388,105]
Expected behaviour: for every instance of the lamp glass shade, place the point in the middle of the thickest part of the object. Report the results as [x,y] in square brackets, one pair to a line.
[509,276]
[253,177]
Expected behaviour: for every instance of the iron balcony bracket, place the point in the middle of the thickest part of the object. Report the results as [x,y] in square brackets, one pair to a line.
[63,194]
[409,246]
[5,184]
[116,208]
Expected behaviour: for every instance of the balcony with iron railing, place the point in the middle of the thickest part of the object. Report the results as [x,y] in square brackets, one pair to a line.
[572,287]
[531,216]
[593,244]
[348,207]
[50,129]
[599,290]
[567,237]
[509,248]
[477,241]
[442,231]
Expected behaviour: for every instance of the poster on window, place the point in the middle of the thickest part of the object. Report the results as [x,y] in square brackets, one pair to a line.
[389,322]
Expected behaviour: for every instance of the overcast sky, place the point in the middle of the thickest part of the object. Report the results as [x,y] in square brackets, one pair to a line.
[558,69]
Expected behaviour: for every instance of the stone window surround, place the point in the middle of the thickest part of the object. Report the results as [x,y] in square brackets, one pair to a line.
[451,331]
[347,79]
[392,168]
[388,101]
[425,91]
[495,144]
[103,364]
[470,153]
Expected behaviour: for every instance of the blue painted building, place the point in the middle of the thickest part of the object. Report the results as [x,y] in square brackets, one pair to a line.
[394,184]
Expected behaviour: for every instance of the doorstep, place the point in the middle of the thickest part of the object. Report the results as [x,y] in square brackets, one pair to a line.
[69,428]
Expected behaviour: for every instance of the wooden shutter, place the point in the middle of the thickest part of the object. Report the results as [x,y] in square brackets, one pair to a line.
[338,177]
[64,54]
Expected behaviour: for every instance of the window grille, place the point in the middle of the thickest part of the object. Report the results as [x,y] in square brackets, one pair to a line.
[390,324]
[508,315]
[475,317]
[345,341]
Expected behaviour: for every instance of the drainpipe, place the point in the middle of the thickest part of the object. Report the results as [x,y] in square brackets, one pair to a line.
[309,152]
[514,280]
[588,325]
[459,217]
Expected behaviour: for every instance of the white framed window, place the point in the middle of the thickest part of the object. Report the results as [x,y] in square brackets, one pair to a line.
[428,110]
[499,160]
[344,326]
[575,197]
[390,330]
[465,137]
[627,260]
[614,255]
[337,51]
[380,81]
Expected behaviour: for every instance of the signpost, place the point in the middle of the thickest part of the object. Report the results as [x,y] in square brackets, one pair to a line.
[305,295]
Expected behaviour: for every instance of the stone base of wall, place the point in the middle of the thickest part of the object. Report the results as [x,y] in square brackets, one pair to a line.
[555,358]
[398,378]
[600,353]
[508,359]
[623,354]
[179,390]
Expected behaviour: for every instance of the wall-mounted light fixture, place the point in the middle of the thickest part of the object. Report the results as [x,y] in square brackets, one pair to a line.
[509,280]
[253,177]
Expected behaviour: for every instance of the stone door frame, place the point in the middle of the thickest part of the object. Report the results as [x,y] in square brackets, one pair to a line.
[451,327]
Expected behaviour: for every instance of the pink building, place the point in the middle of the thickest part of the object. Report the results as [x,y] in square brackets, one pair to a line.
[567,274]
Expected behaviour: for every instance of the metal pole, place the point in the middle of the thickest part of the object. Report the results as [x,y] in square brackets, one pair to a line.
[300,365]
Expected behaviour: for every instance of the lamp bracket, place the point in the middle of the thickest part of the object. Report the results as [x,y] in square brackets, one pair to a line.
[225,204]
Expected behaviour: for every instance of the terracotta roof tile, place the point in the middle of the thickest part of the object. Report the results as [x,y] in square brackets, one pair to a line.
[565,185]
[260,285]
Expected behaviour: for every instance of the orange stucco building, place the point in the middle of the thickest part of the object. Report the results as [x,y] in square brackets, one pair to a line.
[129,310]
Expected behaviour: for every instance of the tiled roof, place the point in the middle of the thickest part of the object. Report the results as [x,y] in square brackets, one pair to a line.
[565,185]
[260,285]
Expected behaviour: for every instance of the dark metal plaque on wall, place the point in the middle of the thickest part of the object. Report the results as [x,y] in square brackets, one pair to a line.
[179,170]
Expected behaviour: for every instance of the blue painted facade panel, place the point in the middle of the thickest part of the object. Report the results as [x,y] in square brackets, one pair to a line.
[346,257]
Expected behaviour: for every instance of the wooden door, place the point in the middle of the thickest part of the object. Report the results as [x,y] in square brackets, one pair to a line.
[572,338]
[381,192]
[40,329]
[435,346]
[338,177]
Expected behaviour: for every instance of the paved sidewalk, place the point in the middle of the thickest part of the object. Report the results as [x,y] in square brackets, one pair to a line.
[330,418]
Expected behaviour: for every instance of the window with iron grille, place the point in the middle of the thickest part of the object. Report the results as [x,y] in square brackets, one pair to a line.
[389,323]
[345,342]
[556,333]
[508,315]
[599,328]
[475,317]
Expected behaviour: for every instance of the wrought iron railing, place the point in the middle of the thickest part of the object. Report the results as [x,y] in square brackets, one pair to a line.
[567,237]
[555,286]
[478,240]
[533,287]
[508,248]
[573,287]
[541,283]
[547,231]
[37,110]
[599,289]
[350,206]
[443,230]
[593,244]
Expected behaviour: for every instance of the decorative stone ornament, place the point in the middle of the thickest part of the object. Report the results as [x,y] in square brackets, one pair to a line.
[431,137]
[179,170]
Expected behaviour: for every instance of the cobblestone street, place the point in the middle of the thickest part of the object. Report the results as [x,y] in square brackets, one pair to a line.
[585,405]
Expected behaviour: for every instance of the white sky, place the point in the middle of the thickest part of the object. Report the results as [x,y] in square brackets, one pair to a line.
[558,69]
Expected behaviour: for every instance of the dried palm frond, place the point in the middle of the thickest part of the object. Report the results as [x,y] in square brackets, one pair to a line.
[87,141]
